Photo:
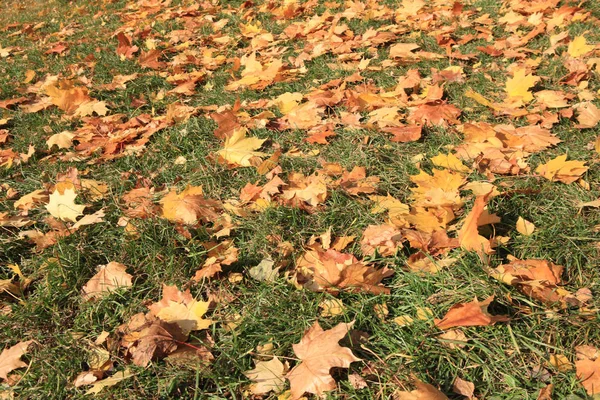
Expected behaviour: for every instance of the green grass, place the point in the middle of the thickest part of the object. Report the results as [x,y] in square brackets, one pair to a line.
[504,361]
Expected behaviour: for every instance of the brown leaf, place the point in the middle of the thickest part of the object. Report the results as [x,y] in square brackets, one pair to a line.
[147,337]
[125,49]
[109,278]
[331,271]
[10,358]
[468,235]
[441,114]
[319,351]
[182,309]
[267,376]
[423,391]
[588,371]
[405,133]
[189,207]
[463,387]
[469,314]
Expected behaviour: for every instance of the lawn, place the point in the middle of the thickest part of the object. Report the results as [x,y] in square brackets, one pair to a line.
[288,199]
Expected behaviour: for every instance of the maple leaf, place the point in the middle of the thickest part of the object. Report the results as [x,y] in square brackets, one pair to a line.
[10,358]
[450,161]
[189,206]
[264,271]
[405,133]
[552,98]
[468,235]
[311,190]
[439,190]
[579,47]
[146,337]
[67,97]
[62,140]
[423,391]
[30,200]
[469,314]
[525,227]
[125,50]
[518,86]
[240,150]
[561,170]
[539,279]
[588,369]
[267,376]
[438,114]
[182,309]
[588,115]
[109,278]
[384,239]
[219,254]
[356,181]
[331,270]
[318,352]
[98,386]
[62,205]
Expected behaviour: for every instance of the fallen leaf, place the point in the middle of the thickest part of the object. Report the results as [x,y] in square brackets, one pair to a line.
[560,362]
[109,278]
[62,205]
[98,386]
[518,87]
[464,388]
[10,358]
[588,115]
[469,314]
[189,207]
[525,227]
[331,307]
[264,271]
[468,235]
[423,391]
[588,371]
[146,337]
[240,150]
[181,308]
[267,376]
[62,140]
[561,170]
[318,352]
[579,47]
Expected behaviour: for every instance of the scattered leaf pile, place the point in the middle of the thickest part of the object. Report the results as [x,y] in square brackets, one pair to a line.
[276,85]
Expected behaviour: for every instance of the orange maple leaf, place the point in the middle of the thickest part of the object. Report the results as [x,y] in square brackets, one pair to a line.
[319,351]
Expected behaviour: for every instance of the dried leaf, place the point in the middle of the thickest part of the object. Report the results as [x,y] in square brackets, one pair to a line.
[62,205]
[98,386]
[525,227]
[469,314]
[180,308]
[10,358]
[268,376]
[109,278]
[318,352]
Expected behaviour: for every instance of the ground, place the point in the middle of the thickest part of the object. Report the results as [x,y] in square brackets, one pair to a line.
[346,102]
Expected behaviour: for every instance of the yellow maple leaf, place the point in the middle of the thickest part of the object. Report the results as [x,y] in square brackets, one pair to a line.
[449,161]
[239,150]
[525,227]
[182,309]
[518,86]
[62,205]
[561,170]
[189,206]
[579,47]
